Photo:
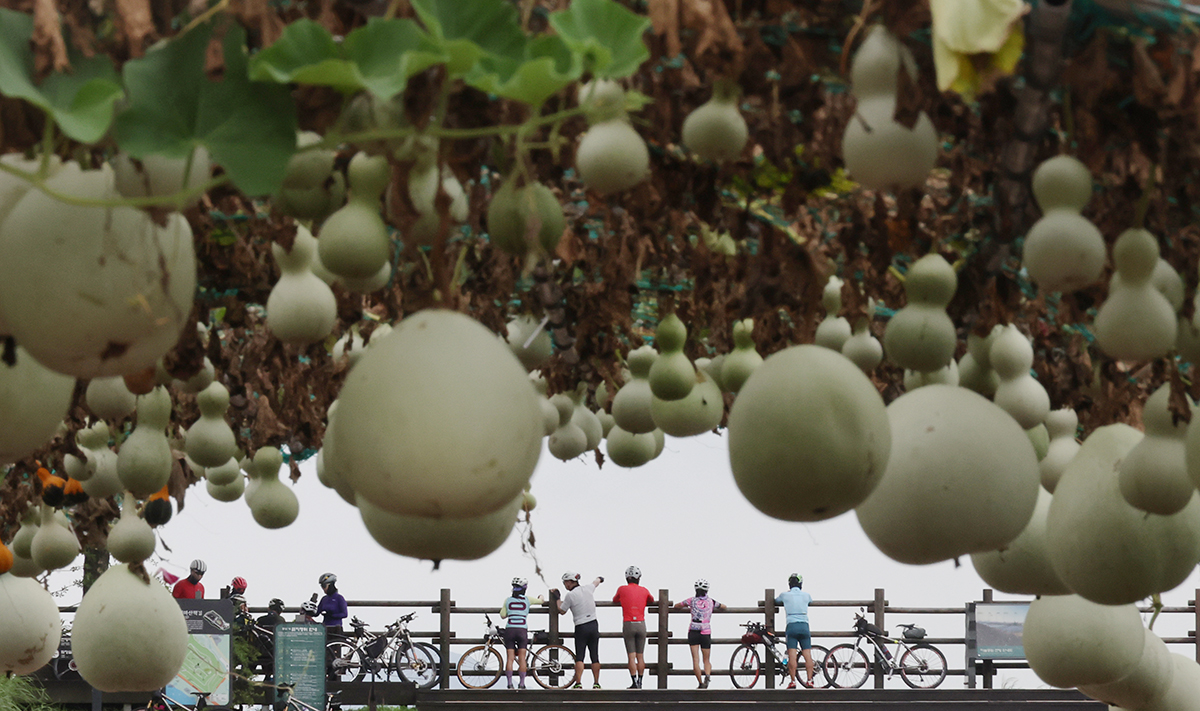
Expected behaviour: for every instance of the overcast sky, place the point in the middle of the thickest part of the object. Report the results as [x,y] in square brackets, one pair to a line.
[678,518]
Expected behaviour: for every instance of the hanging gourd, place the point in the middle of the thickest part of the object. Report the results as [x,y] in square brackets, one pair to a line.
[1018,393]
[932,508]
[1023,566]
[311,188]
[584,418]
[525,220]
[274,504]
[327,460]
[1148,682]
[716,130]
[371,284]
[1182,693]
[672,375]
[129,633]
[738,364]
[834,330]
[1063,250]
[629,450]
[1103,548]
[975,367]
[399,431]
[529,341]
[158,175]
[880,152]
[223,474]
[231,491]
[210,441]
[101,462]
[946,376]
[797,467]
[1060,427]
[30,626]
[440,539]
[202,379]
[54,545]
[94,291]
[921,335]
[862,348]
[301,309]
[1169,283]
[1070,641]
[1039,436]
[611,156]
[131,539]
[631,404]
[568,440]
[353,243]
[424,180]
[33,402]
[144,460]
[109,399]
[1136,322]
[1154,476]
[699,412]
[549,411]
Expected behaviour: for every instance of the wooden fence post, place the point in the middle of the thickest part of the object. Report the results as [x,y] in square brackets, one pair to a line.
[769,621]
[1196,626]
[662,669]
[444,615]
[989,667]
[879,604]
[552,625]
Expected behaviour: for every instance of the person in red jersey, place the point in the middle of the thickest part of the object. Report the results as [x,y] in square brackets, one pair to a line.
[634,598]
[190,588]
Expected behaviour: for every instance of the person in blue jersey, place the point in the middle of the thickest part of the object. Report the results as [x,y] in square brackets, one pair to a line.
[795,602]
[516,634]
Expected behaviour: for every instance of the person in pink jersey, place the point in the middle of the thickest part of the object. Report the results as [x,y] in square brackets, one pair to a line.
[634,598]
[700,629]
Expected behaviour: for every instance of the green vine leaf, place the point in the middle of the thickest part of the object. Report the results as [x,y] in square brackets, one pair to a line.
[81,102]
[607,35]
[379,57]
[548,67]
[491,28]
[249,128]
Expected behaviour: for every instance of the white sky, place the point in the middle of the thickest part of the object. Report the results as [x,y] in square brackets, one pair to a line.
[679,517]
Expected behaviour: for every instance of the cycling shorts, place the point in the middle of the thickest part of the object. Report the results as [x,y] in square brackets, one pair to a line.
[635,637]
[701,638]
[587,638]
[798,635]
[516,638]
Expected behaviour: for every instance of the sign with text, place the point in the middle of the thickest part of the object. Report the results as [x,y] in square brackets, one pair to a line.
[998,627]
[300,660]
[206,666]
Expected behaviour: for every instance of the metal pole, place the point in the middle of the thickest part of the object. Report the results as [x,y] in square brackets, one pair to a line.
[989,667]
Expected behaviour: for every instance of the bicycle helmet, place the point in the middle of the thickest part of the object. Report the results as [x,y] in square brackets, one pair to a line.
[238,585]
[237,601]
[520,583]
[326,579]
[570,576]
[633,572]
[309,608]
[701,584]
[276,604]
[795,579]
[199,566]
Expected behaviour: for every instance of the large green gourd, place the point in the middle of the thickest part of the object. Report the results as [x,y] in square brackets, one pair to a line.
[921,335]
[672,374]
[353,242]
[144,461]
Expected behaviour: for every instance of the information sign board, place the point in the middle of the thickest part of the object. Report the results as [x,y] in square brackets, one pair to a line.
[998,627]
[206,666]
[300,660]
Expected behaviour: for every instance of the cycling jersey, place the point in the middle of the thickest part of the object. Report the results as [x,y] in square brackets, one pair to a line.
[702,609]
[581,602]
[187,590]
[633,599]
[333,607]
[795,602]
[516,610]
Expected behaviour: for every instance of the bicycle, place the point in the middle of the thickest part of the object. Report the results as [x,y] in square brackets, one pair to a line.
[63,662]
[394,650]
[287,702]
[161,702]
[921,665]
[745,665]
[552,666]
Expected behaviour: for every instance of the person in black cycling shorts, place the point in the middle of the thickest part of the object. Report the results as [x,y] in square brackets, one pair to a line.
[581,601]
[516,634]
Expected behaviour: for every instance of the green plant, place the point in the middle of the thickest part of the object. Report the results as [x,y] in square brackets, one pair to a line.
[23,693]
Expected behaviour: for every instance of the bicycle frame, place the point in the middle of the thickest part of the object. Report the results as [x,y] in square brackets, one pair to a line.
[887,658]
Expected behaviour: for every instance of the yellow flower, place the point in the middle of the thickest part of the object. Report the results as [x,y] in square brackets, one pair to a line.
[975,39]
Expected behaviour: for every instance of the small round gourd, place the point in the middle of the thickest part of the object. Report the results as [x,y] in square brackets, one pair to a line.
[716,130]
[227,492]
[797,467]
[1136,322]
[1060,426]
[1018,393]
[549,411]
[311,188]
[129,633]
[33,402]
[353,242]
[109,399]
[441,538]
[424,181]
[862,348]
[629,450]
[514,212]
[1023,566]
[631,404]
[30,626]
[131,539]
[1070,641]
[672,375]
[568,440]
[210,441]
[929,507]
[699,412]
[529,341]
[301,309]
[1154,476]
[975,367]
[144,461]
[921,336]
[223,474]
[739,363]
[1063,250]
[612,157]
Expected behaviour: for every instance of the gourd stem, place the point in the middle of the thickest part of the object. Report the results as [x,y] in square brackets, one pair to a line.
[1068,122]
[47,148]
[204,16]
[1143,205]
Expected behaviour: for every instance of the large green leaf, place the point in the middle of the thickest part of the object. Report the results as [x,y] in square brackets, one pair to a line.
[80,102]
[548,66]
[469,30]
[607,35]
[249,128]
[378,57]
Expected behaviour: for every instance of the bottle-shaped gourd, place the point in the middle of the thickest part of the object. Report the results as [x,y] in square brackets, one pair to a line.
[880,152]
[101,462]
[22,542]
[739,363]
[1136,322]
[54,545]
[33,402]
[921,336]
[549,411]
[631,404]
[301,308]
[712,367]
[914,379]
[525,220]
[862,348]
[131,539]
[144,460]
[210,441]
[1060,426]
[231,491]
[1154,475]
[109,399]
[424,179]
[311,187]
[275,504]
[716,130]
[834,330]
[672,375]
[371,284]
[584,418]
[975,367]
[1019,393]
[223,474]
[611,156]
[568,440]
[353,242]
[529,341]
[1063,250]
[328,465]
[202,379]
[629,450]
[695,414]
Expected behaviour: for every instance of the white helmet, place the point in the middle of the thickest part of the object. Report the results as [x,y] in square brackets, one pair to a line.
[570,575]
[308,607]
[633,572]
[199,566]
[701,584]
[520,582]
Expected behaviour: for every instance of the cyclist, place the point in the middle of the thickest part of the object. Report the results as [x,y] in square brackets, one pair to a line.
[308,611]
[237,586]
[190,588]
[274,614]
[795,602]
[516,633]
[581,601]
[634,598]
[333,605]
[700,629]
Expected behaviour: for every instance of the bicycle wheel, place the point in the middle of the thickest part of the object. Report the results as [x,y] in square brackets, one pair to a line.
[923,666]
[416,664]
[480,667]
[553,666]
[846,667]
[744,666]
[343,661]
[819,653]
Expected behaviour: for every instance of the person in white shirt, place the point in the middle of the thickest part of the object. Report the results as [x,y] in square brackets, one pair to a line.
[581,601]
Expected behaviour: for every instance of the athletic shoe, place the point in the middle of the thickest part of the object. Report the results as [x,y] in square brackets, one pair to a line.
[510,686]
[577,686]
[807,684]
[791,685]
[704,684]
[639,682]
[596,685]
[633,685]
[521,687]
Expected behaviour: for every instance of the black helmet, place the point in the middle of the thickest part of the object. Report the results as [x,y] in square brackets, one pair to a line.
[276,604]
